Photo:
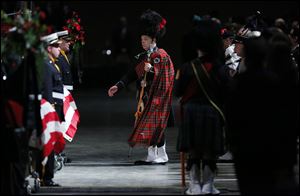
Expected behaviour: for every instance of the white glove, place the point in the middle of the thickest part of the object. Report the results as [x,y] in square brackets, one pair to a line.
[148,67]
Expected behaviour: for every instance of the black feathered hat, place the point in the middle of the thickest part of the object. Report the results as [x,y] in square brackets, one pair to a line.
[152,24]
[245,34]
[250,30]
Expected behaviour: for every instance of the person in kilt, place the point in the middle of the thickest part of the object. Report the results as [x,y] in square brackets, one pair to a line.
[154,75]
[201,123]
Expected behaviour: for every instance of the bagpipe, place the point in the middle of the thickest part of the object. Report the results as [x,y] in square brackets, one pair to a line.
[141,105]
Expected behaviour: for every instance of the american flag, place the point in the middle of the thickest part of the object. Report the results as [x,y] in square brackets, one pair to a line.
[54,131]
[71,113]
[52,136]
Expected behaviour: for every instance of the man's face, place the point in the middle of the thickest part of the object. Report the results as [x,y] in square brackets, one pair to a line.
[146,41]
[65,45]
[238,49]
[227,42]
[54,50]
[293,38]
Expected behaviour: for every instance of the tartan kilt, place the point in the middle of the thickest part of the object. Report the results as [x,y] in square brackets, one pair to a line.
[200,131]
[152,123]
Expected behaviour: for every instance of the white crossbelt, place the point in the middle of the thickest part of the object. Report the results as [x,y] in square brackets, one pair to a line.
[57,95]
[69,87]
[32,97]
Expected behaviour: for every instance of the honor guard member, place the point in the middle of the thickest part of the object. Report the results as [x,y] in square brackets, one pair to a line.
[52,91]
[64,64]
[63,60]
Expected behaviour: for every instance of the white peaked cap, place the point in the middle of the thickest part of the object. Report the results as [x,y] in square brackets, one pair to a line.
[50,39]
[62,33]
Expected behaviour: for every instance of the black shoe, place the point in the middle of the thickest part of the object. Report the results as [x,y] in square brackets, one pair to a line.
[140,162]
[160,163]
[50,183]
[68,160]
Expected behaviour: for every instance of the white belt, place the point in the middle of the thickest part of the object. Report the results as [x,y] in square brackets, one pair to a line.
[69,87]
[32,97]
[57,95]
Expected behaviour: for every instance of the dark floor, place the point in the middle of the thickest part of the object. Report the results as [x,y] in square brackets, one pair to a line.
[99,153]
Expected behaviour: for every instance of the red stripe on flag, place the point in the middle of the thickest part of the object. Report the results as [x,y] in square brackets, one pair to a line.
[70,122]
[52,135]
[51,116]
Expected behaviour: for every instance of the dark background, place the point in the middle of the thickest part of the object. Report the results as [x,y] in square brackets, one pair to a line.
[101,18]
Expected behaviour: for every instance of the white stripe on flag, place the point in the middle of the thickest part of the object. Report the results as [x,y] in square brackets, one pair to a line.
[73,105]
[45,109]
[51,127]
[50,124]
[71,116]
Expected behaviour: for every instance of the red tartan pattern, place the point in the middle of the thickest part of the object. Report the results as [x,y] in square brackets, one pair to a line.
[139,69]
[155,116]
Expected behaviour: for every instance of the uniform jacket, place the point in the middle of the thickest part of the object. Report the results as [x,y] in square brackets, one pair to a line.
[52,83]
[64,64]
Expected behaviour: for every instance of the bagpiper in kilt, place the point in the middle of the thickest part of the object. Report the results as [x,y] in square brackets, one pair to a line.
[153,121]
[154,75]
